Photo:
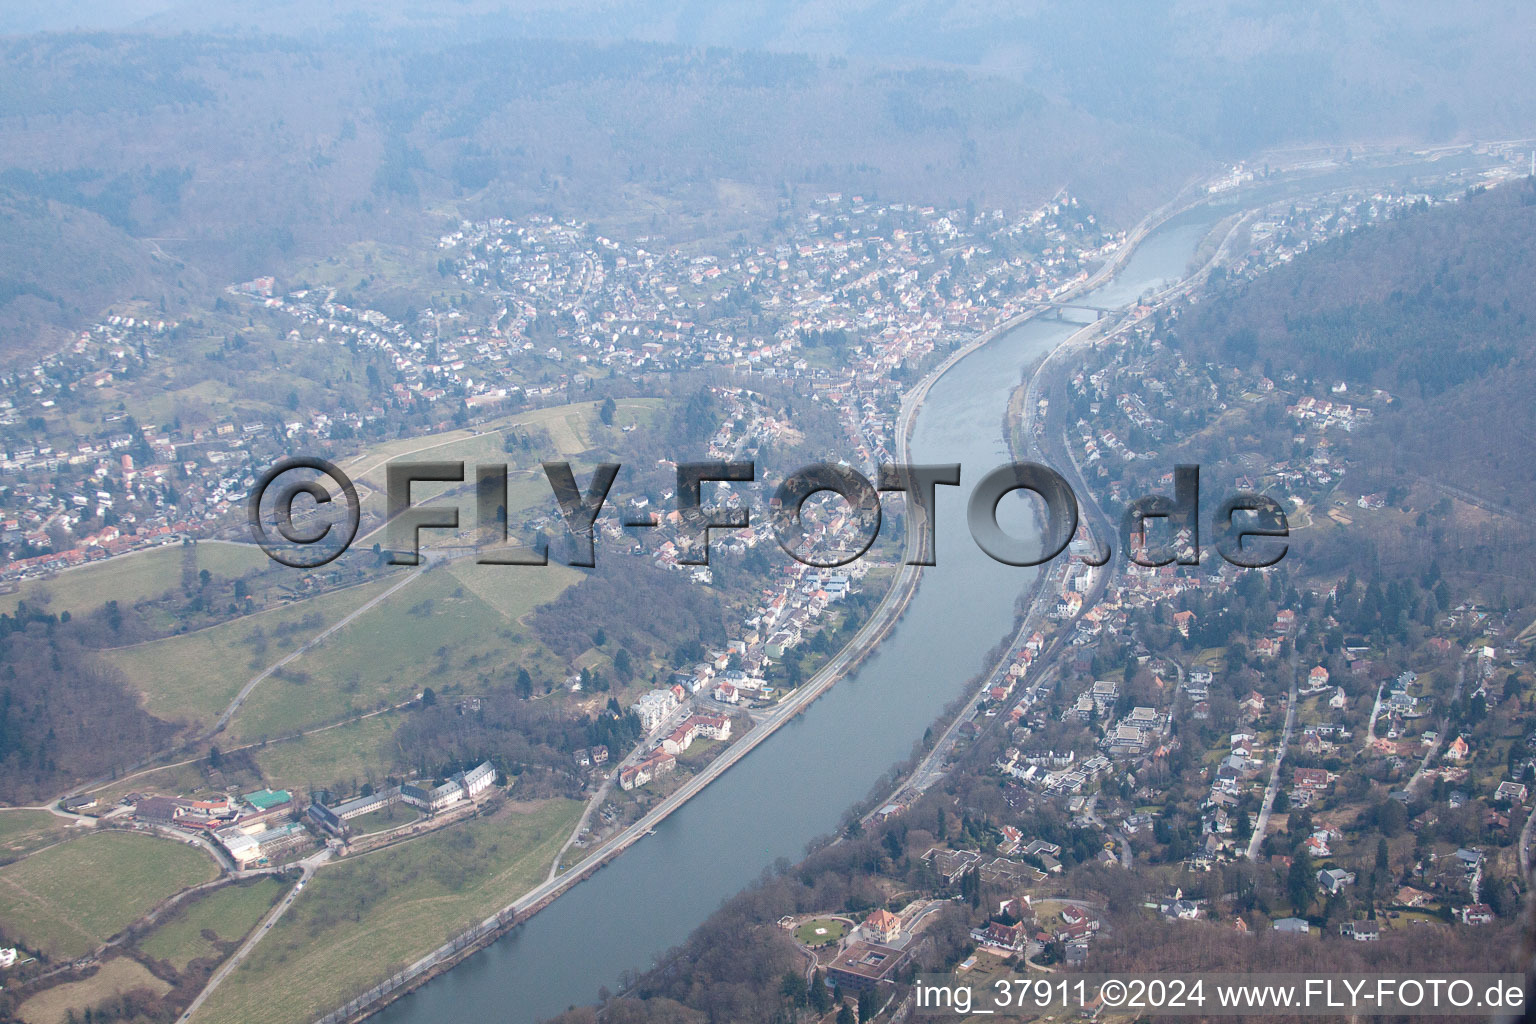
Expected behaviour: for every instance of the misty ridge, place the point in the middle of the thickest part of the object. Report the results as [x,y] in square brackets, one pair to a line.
[158,150]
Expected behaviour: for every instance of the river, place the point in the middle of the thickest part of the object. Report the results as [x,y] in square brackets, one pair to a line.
[800,781]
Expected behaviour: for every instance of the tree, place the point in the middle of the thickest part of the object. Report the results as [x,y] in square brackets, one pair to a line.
[524,684]
[867,1006]
[214,757]
[970,887]
[1381,871]
[1301,883]
[606,412]
[1391,818]
[428,697]
[820,999]
[845,1015]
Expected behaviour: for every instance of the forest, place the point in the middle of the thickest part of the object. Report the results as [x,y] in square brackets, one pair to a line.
[1436,307]
[634,606]
[64,714]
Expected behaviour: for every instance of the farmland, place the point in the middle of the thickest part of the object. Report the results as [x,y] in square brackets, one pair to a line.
[68,899]
[361,919]
[131,577]
[228,913]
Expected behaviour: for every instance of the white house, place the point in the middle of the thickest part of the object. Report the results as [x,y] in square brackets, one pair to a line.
[655,707]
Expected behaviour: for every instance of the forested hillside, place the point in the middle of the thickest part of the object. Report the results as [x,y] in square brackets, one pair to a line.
[60,263]
[186,158]
[1438,308]
[190,152]
[65,715]
[1232,75]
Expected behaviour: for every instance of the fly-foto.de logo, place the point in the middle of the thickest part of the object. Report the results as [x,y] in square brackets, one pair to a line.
[294,500]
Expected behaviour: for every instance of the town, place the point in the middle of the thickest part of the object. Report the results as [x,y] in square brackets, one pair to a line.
[1261,750]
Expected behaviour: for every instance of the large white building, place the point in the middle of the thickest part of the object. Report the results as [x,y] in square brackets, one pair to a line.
[655,707]
[367,804]
[434,799]
[478,779]
[246,847]
[711,727]
[462,786]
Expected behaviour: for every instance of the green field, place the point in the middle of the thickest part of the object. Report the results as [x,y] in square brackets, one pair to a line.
[393,816]
[435,630]
[67,1002]
[22,831]
[514,591]
[361,919]
[69,899]
[332,759]
[229,913]
[572,430]
[193,677]
[130,578]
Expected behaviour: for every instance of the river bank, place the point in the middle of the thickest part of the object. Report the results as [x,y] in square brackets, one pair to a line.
[896,679]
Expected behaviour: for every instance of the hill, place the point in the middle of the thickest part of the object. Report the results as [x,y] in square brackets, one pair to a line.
[238,151]
[1232,76]
[239,156]
[60,264]
[1438,308]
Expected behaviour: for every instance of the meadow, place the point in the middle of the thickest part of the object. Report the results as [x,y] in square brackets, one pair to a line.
[68,899]
[65,1003]
[359,920]
[228,913]
[130,578]
[430,633]
[193,677]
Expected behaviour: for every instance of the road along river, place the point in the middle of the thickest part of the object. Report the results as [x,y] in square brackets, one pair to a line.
[796,785]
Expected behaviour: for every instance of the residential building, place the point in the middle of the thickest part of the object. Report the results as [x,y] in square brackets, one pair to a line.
[1360,931]
[882,926]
